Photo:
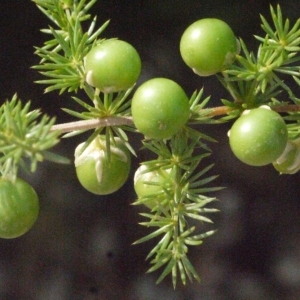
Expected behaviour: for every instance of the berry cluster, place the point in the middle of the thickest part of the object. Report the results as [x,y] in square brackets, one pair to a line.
[173,185]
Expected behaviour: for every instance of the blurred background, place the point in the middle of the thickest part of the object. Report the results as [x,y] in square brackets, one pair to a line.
[80,247]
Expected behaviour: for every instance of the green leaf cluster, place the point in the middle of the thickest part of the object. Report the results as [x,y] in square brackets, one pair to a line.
[62,56]
[25,135]
[62,61]
[266,77]
[258,78]
[180,203]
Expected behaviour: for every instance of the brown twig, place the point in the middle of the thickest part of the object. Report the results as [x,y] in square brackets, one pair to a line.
[286,108]
[218,110]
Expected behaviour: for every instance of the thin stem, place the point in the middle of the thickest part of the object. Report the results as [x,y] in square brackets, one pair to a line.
[286,108]
[92,123]
[119,121]
[218,110]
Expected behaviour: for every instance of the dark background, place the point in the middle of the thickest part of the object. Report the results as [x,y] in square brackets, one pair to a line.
[80,247]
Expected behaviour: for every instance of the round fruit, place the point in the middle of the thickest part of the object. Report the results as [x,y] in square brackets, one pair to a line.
[208,45]
[289,161]
[160,108]
[258,137]
[96,171]
[19,208]
[112,66]
[150,184]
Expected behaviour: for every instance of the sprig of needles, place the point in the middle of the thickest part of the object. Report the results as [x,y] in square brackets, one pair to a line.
[62,56]
[180,201]
[25,136]
[255,79]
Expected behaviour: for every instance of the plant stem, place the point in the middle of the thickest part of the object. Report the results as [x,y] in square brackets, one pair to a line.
[92,123]
[119,121]
[286,108]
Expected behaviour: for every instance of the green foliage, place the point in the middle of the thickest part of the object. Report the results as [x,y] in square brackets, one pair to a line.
[183,199]
[62,56]
[252,80]
[255,79]
[24,134]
